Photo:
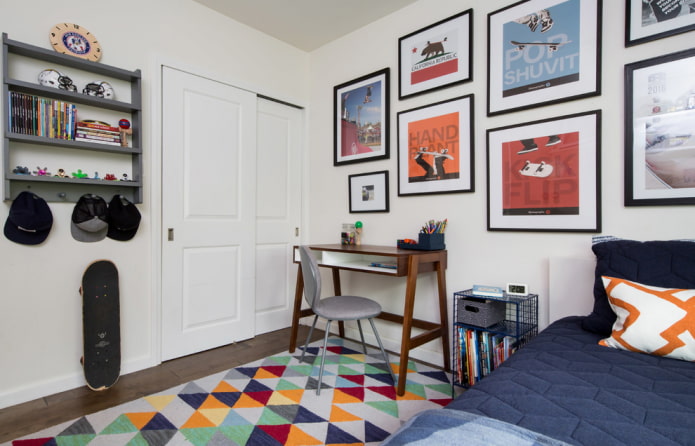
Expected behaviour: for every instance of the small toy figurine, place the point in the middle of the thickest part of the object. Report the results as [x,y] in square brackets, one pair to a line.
[124,125]
[42,172]
[110,177]
[358,232]
[125,177]
[21,170]
[61,173]
[79,174]
[96,176]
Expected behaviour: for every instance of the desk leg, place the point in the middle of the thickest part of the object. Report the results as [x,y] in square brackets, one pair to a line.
[443,314]
[407,323]
[298,291]
[337,291]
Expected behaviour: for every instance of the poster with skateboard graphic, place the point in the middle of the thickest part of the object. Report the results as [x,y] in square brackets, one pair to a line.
[540,175]
[435,148]
[545,175]
[361,109]
[541,52]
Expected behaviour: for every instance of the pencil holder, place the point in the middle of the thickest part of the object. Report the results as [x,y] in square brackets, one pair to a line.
[431,242]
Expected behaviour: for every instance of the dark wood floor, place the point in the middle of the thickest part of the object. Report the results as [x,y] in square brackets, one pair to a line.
[24,419]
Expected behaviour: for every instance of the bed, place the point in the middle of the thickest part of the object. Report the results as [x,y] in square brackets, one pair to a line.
[586,380]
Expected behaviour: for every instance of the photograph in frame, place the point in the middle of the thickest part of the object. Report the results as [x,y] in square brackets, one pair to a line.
[647,20]
[545,175]
[435,148]
[369,192]
[660,130]
[436,56]
[542,52]
[360,122]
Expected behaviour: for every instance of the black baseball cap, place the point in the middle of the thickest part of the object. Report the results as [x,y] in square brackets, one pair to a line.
[30,219]
[89,221]
[124,219]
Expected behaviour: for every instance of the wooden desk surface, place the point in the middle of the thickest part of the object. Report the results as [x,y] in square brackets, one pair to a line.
[372,250]
[426,259]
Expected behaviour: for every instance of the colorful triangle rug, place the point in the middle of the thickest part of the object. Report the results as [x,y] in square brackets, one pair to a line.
[271,401]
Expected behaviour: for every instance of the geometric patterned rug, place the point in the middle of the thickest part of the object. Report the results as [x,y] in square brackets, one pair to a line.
[271,401]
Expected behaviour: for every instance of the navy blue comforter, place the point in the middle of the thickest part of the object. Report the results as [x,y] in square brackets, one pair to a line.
[566,386]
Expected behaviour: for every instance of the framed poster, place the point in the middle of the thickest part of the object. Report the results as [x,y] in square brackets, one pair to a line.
[647,20]
[542,52]
[545,175]
[369,192]
[360,121]
[436,56]
[435,148]
[660,130]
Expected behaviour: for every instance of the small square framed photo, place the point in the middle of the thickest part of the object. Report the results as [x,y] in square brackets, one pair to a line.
[435,148]
[369,192]
[647,20]
[436,56]
[542,52]
[545,175]
[360,122]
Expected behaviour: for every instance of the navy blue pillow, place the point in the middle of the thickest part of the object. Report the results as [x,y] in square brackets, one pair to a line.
[668,264]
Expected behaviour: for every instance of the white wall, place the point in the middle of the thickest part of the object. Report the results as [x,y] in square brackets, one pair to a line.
[475,255]
[41,312]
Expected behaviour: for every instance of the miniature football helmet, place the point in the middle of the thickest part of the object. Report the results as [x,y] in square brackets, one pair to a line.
[56,79]
[100,89]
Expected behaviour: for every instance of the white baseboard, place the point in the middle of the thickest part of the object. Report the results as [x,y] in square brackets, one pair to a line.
[71,381]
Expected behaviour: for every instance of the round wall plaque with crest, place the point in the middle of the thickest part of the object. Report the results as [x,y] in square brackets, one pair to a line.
[75,40]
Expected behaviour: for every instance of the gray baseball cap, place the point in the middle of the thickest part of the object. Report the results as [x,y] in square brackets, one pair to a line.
[89,221]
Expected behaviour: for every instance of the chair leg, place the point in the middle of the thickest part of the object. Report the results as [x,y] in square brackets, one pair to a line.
[383,352]
[364,346]
[308,338]
[323,356]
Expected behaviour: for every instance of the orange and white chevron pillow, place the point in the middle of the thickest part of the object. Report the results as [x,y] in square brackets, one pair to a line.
[653,320]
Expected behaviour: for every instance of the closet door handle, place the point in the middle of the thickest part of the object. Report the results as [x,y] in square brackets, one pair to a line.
[170,234]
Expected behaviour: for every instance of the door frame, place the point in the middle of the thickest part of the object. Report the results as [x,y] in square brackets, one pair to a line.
[154,183]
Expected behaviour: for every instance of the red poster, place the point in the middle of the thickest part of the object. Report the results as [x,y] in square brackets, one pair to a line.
[541,175]
[433,144]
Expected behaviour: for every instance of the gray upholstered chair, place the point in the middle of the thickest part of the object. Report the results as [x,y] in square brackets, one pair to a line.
[336,308]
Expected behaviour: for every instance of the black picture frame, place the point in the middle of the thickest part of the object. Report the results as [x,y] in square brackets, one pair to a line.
[653,20]
[360,123]
[436,151]
[543,52]
[545,176]
[369,192]
[660,131]
[437,56]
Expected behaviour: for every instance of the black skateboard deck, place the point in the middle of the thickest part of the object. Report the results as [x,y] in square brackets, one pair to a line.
[101,325]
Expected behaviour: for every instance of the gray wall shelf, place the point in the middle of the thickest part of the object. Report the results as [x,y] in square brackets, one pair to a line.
[57,189]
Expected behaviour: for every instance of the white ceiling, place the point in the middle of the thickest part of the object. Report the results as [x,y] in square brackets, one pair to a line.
[306,24]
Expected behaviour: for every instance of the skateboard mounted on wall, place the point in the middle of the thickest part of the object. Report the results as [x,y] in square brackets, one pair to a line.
[101,325]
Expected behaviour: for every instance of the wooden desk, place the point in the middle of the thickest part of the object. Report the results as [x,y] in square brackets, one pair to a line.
[409,264]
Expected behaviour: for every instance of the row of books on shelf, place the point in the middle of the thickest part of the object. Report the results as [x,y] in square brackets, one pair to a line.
[479,353]
[37,116]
